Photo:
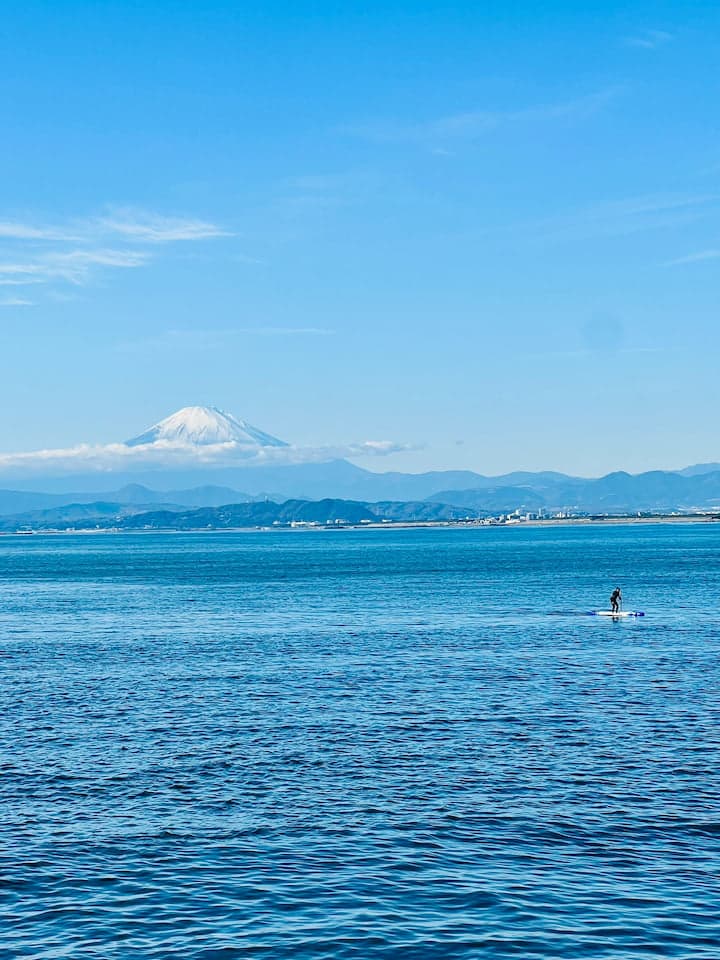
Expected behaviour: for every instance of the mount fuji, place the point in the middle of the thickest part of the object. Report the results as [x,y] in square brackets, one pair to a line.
[202,457]
[204,426]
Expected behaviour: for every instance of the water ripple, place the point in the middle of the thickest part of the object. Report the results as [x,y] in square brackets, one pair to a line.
[387,745]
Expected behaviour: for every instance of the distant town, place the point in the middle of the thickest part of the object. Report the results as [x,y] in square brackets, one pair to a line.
[223,519]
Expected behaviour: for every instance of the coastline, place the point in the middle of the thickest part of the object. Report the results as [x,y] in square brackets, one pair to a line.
[398,525]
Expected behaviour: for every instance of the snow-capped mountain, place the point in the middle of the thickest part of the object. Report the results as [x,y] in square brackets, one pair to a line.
[204,426]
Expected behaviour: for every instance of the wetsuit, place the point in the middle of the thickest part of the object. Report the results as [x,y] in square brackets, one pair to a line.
[615,601]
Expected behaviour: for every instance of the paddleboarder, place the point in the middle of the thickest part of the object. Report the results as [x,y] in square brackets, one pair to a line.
[615,600]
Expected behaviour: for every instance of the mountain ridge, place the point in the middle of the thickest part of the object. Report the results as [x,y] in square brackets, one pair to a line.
[104,516]
[201,456]
[616,492]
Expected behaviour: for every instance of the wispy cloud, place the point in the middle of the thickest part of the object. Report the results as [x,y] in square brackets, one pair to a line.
[146,227]
[72,266]
[310,198]
[471,124]
[648,39]
[701,255]
[142,226]
[36,253]
[75,264]
[215,339]
[285,331]
[16,302]
[593,353]
[627,216]
[16,230]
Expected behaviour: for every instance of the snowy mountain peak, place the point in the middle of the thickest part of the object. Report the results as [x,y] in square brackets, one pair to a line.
[201,426]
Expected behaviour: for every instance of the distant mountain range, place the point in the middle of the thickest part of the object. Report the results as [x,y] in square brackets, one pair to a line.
[617,493]
[103,515]
[136,507]
[134,495]
[194,480]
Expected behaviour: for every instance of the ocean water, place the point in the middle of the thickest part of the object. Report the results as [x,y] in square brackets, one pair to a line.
[371,744]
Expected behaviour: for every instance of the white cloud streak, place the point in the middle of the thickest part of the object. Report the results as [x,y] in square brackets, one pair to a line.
[104,458]
[152,228]
[286,331]
[627,216]
[649,39]
[32,253]
[695,257]
[16,302]
[15,230]
[72,266]
[215,339]
[472,124]
[141,226]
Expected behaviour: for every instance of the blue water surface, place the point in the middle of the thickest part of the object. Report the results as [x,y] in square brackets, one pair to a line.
[371,744]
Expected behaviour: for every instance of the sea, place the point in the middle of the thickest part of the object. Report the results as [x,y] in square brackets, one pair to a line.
[401,743]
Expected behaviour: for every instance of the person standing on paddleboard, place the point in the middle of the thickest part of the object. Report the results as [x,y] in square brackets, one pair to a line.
[615,600]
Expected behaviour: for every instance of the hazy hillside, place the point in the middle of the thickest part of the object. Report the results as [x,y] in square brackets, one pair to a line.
[620,492]
[616,493]
[105,515]
[13,502]
[99,513]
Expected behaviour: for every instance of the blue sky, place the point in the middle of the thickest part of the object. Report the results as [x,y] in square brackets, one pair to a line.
[489,231]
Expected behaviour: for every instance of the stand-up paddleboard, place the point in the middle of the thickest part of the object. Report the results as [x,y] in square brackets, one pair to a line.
[620,613]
